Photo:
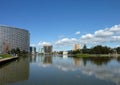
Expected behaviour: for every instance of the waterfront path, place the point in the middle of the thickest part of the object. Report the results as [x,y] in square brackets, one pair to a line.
[7,59]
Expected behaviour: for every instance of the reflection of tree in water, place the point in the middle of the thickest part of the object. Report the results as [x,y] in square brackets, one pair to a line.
[84,61]
[118,59]
[97,60]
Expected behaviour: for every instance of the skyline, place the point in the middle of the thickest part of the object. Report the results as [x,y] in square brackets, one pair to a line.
[63,23]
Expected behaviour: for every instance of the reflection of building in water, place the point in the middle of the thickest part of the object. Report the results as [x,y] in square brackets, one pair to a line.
[47,60]
[76,47]
[14,71]
[47,49]
[33,50]
[77,61]
[32,58]
[65,56]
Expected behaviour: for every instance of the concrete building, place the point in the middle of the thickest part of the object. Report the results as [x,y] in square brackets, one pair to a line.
[33,50]
[47,49]
[76,47]
[12,38]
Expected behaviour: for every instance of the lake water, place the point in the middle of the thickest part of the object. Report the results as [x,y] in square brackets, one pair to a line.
[60,70]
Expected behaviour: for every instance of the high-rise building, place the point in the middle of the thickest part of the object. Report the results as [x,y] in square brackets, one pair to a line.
[33,50]
[47,49]
[12,38]
[76,47]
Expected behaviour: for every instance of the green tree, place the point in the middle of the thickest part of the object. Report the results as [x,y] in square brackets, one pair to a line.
[84,50]
[101,50]
[118,50]
[17,51]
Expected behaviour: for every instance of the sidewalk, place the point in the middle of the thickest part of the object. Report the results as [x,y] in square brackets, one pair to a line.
[6,59]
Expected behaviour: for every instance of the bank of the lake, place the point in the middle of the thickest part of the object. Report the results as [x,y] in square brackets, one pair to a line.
[95,55]
[6,57]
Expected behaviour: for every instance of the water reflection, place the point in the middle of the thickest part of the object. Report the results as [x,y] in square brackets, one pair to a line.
[102,68]
[98,61]
[65,56]
[44,60]
[47,60]
[109,72]
[61,70]
[15,71]
[77,61]
[32,58]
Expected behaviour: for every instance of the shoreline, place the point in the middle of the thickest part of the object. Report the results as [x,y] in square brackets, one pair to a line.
[97,55]
[8,59]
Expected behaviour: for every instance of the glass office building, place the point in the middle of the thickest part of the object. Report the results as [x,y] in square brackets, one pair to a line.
[12,38]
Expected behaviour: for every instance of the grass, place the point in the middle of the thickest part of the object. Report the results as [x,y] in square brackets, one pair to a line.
[81,55]
[5,56]
[92,55]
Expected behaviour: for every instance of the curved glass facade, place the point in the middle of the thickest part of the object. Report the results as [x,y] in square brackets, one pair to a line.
[12,38]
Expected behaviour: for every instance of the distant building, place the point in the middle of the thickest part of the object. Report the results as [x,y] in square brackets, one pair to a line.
[33,50]
[76,47]
[12,38]
[47,49]
[65,53]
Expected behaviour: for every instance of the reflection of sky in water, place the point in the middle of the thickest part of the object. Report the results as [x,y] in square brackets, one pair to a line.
[71,71]
[109,71]
[103,72]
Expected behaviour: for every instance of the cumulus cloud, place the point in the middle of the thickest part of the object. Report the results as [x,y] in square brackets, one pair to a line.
[66,41]
[103,35]
[115,38]
[42,43]
[111,35]
[115,28]
[77,33]
[87,36]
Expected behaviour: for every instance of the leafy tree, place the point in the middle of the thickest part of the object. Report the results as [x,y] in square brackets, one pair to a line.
[17,51]
[118,50]
[84,50]
[101,50]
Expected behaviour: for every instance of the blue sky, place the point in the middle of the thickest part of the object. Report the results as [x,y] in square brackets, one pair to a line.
[56,21]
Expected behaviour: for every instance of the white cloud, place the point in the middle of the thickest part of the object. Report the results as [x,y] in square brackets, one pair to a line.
[115,28]
[107,35]
[77,33]
[66,41]
[87,36]
[103,35]
[115,38]
[42,43]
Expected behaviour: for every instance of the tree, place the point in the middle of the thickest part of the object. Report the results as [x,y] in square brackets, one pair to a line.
[118,50]
[101,50]
[84,50]
[17,51]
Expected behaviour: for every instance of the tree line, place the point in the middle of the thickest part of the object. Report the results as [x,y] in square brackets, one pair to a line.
[17,51]
[99,49]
